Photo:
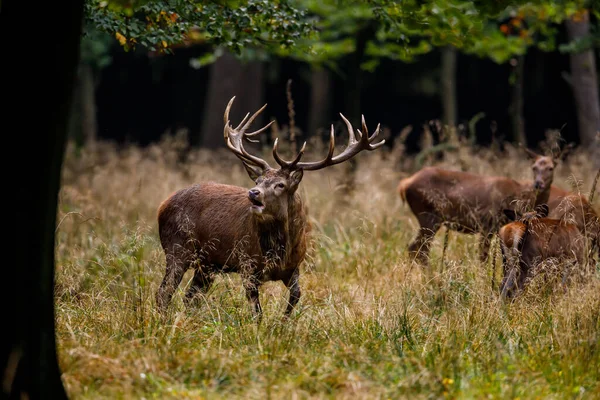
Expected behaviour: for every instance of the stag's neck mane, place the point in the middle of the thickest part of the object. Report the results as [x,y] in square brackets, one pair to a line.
[275,235]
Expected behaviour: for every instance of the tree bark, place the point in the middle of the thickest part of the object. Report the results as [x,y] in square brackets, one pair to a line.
[353,101]
[320,99]
[230,77]
[516,107]
[354,81]
[584,83]
[449,105]
[28,349]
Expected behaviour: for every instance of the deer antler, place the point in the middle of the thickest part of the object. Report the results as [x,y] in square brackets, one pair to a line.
[234,138]
[365,142]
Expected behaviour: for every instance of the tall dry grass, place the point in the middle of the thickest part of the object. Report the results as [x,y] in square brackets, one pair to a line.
[369,324]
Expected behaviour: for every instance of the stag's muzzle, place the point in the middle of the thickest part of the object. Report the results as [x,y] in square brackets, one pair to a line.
[255,197]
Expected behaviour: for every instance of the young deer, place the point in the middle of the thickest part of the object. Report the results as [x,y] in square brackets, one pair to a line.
[534,238]
[260,233]
[469,203]
[575,208]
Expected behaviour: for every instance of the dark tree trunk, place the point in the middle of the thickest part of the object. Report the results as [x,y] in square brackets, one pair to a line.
[353,93]
[320,100]
[516,106]
[449,105]
[88,103]
[230,77]
[584,82]
[354,81]
[28,348]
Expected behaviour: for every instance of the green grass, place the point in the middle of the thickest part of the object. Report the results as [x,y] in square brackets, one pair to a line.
[370,324]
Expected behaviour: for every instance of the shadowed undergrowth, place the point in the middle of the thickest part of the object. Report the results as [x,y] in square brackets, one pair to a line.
[370,324]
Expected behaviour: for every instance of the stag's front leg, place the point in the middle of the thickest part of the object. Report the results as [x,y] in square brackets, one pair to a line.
[293,286]
[251,284]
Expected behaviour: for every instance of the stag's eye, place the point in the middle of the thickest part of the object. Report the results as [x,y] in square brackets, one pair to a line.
[550,169]
[280,185]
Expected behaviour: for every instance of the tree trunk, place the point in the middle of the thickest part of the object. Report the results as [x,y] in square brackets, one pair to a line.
[229,77]
[584,82]
[516,107]
[320,100]
[28,350]
[88,103]
[449,105]
[353,93]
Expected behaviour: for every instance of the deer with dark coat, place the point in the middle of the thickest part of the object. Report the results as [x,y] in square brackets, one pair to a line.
[260,233]
[469,203]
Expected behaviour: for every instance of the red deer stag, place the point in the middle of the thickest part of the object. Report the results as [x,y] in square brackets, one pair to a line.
[469,203]
[534,238]
[259,233]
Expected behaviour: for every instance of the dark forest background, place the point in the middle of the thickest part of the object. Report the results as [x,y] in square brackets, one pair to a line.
[141,95]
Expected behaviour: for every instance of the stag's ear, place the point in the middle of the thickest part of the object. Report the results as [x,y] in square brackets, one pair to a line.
[510,214]
[531,154]
[542,210]
[295,178]
[253,172]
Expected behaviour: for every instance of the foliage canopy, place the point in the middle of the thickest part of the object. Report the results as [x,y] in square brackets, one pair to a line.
[321,31]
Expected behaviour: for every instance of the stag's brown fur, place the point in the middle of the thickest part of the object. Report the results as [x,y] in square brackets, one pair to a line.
[259,233]
[212,228]
[532,240]
[467,202]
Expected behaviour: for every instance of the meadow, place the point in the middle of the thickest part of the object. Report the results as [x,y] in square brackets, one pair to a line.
[371,324]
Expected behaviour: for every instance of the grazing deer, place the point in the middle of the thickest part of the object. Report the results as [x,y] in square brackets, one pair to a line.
[534,238]
[469,203]
[259,233]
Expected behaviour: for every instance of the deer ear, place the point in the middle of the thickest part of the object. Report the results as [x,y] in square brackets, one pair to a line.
[253,172]
[542,210]
[531,154]
[510,214]
[296,177]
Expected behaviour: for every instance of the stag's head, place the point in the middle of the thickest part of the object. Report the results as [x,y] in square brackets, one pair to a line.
[275,187]
[543,169]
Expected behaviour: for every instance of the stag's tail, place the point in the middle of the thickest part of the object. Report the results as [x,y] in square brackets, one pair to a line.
[403,185]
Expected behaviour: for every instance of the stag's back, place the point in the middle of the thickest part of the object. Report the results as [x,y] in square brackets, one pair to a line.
[209,218]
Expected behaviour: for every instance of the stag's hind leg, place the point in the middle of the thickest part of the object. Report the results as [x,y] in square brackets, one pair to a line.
[200,284]
[179,260]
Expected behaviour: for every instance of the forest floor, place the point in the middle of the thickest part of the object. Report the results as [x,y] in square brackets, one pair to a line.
[370,323]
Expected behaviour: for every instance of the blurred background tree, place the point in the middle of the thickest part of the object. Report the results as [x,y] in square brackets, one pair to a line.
[412,55]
